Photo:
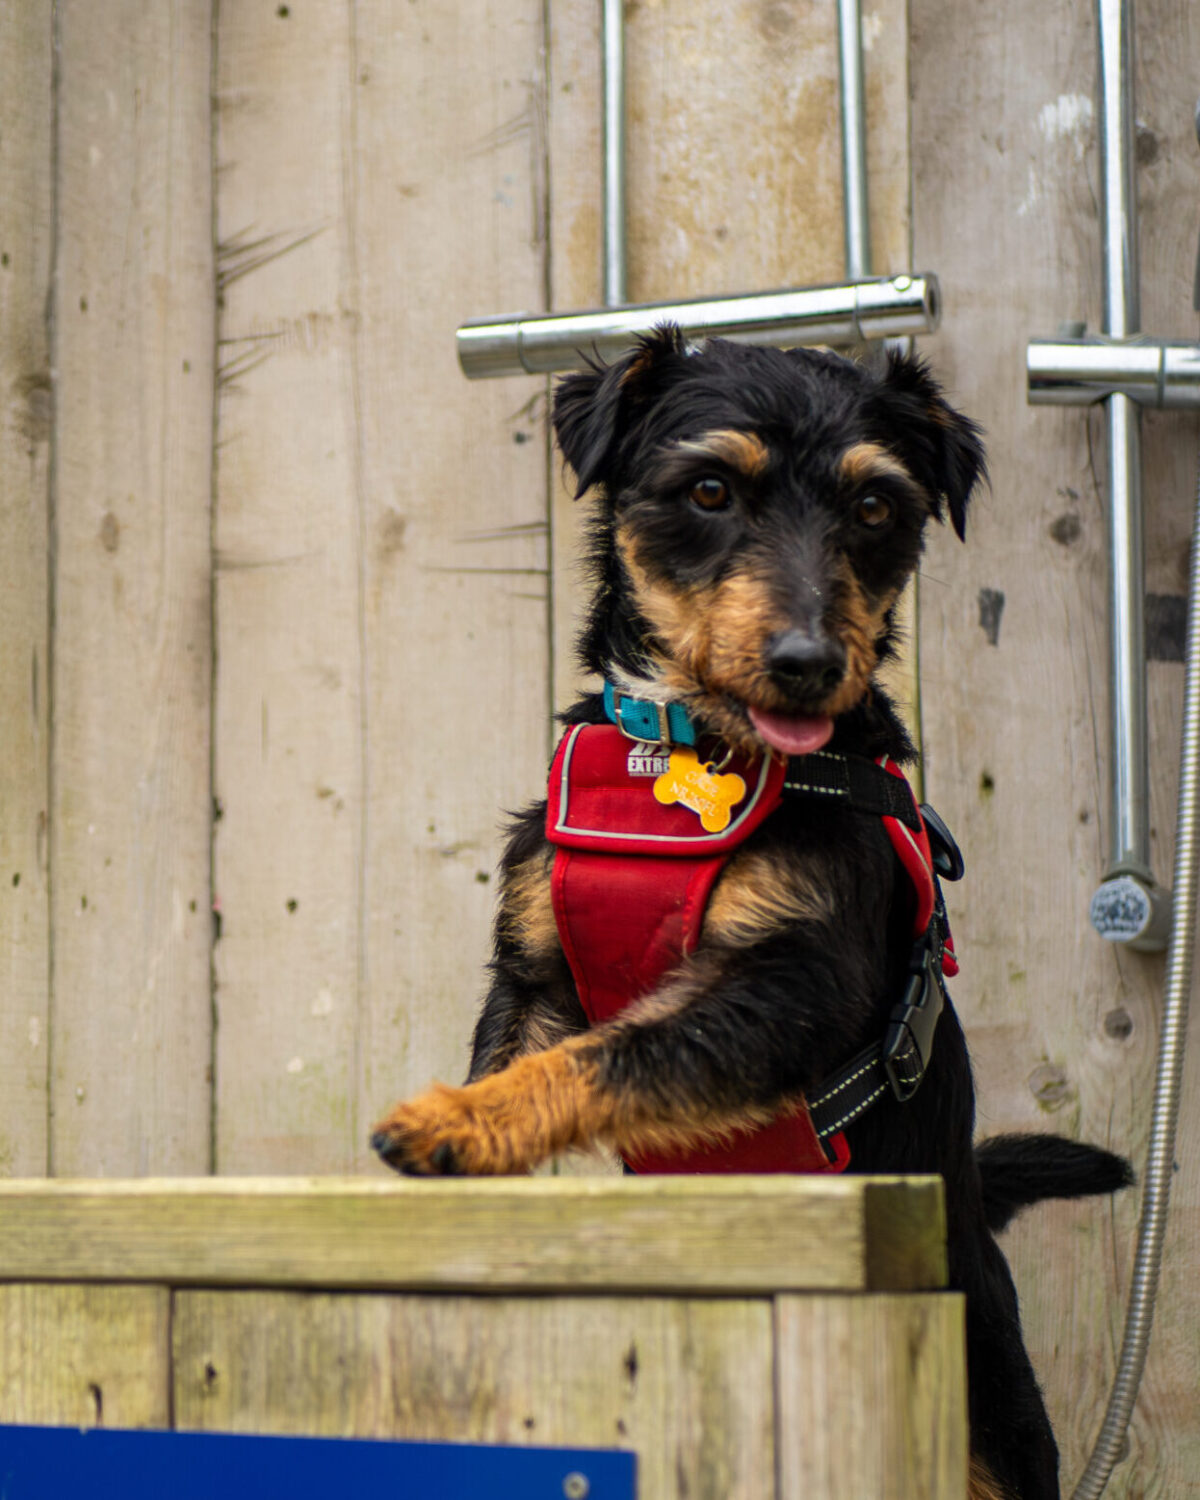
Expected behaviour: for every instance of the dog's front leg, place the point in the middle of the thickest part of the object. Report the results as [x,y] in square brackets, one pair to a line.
[722,1045]
[504,1123]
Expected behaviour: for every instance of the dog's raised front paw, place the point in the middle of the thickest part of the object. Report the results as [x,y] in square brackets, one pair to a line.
[400,1150]
[436,1135]
[503,1124]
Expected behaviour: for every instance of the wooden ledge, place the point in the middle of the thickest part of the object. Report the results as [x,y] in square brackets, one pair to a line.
[711,1235]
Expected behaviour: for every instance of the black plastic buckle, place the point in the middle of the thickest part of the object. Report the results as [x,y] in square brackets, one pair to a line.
[947,856]
[913,1021]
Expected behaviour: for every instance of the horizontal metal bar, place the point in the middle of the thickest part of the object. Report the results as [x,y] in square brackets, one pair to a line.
[888,307]
[1077,372]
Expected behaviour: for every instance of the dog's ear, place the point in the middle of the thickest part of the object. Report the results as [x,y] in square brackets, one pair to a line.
[589,407]
[944,447]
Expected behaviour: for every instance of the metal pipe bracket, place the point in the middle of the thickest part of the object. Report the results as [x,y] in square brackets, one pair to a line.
[1162,373]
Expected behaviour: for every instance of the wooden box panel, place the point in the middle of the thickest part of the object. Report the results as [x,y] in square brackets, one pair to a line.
[686,1383]
[84,1355]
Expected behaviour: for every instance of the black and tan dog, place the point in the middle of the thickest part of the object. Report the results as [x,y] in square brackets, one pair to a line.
[758,514]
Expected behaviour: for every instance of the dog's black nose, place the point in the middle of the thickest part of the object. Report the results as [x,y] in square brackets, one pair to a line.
[805,664]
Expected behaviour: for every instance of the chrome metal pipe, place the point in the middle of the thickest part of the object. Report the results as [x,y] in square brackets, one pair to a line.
[1128,872]
[615,273]
[855,207]
[838,315]
[1129,827]
[1118,198]
[1129,831]
[1078,372]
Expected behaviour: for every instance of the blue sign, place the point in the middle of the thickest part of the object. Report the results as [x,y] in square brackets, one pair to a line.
[59,1463]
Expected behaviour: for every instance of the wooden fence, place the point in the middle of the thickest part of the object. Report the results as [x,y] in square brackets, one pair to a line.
[285,604]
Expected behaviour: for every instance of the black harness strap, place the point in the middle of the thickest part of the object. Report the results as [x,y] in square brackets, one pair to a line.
[897,1062]
[861,784]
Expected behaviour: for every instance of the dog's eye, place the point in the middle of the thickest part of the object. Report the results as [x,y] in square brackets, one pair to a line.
[873,511]
[710,494]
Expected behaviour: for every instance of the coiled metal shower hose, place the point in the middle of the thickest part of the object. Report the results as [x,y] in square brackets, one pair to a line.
[1160,1159]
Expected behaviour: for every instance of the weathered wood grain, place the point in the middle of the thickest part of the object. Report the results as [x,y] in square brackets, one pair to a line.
[85,1356]
[575,166]
[904,1432]
[26,113]
[288,715]
[448,218]
[686,1384]
[1062,1026]
[381,542]
[131,606]
[726,1234]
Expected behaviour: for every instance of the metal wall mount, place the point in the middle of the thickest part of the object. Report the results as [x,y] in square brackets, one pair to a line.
[1163,373]
[863,309]
[1126,371]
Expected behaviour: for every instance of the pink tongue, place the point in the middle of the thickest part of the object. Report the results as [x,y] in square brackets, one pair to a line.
[794,734]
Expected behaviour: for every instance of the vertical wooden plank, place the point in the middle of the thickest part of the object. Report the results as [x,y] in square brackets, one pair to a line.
[1165,1439]
[26,108]
[84,1356]
[885,38]
[734,173]
[381,540]
[1063,1027]
[738,188]
[131,608]
[448,210]
[289,746]
[575,280]
[686,1384]
[898,1428]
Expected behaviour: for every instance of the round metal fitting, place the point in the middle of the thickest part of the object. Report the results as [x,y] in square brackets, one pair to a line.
[1132,911]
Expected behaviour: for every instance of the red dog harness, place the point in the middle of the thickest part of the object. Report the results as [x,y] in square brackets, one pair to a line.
[633,873]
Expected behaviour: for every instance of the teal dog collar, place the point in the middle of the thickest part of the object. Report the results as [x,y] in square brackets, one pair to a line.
[648,719]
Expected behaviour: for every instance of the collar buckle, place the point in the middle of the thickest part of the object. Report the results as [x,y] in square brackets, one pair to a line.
[638,707]
[648,719]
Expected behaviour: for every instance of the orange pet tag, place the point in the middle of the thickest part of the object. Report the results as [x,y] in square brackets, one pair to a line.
[711,797]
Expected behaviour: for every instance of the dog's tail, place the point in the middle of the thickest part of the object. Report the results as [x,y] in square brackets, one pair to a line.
[1019,1170]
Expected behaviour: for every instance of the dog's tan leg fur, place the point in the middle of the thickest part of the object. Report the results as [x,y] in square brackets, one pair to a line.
[981,1485]
[540,1105]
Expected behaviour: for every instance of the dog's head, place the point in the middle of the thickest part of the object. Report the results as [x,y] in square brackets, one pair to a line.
[759,513]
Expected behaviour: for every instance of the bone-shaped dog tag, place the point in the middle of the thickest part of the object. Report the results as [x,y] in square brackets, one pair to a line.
[711,797]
